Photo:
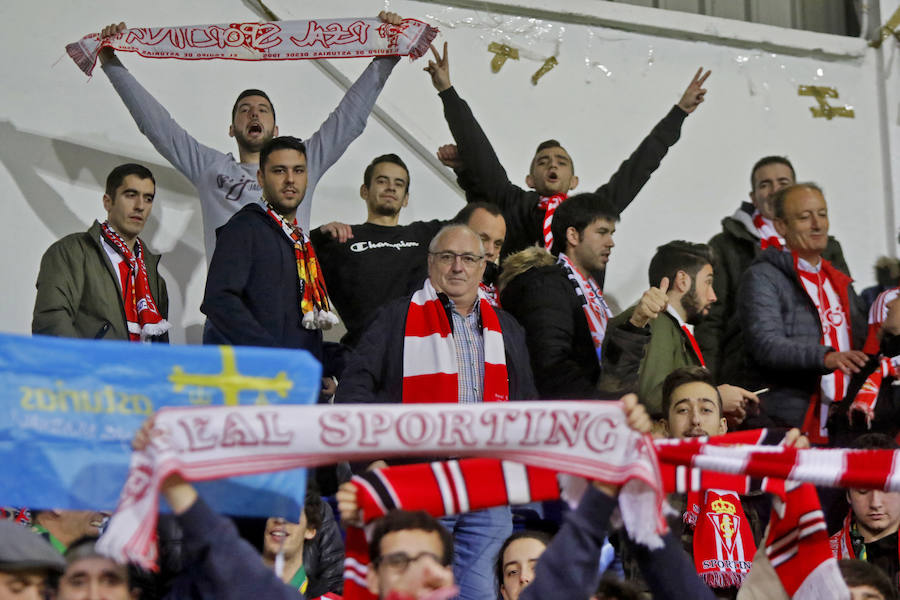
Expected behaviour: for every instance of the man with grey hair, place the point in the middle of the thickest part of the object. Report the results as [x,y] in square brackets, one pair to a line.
[26,561]
[398,359]
[802,321]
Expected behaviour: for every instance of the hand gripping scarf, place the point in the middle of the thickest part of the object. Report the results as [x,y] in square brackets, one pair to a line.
[430,371]
[867,397]
[549,204]
[282,40]
[314,303]
[143,318]
[596,311]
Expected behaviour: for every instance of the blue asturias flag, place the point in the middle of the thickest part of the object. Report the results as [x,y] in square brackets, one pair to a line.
[69,408]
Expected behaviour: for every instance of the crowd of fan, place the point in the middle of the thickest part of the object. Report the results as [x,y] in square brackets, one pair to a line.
[761,327]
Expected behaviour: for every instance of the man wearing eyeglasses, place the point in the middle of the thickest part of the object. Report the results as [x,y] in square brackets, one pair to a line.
[403,357]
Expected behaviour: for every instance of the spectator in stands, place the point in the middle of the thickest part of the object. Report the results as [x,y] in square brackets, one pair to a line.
[396,361]
[224,185]
[647,354]
[866,581]
[104,283]
[62,527]
[870,529]
[26,563]
[745,234]
[801,319]
[516,561]
[91,576]
[551,176]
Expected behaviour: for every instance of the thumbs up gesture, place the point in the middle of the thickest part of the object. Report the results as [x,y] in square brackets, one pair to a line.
[652,302]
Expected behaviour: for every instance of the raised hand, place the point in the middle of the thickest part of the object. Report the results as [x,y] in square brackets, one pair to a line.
[695,92]
[439,69]
[652,302]
[448,154]
[390,17]
[107,53]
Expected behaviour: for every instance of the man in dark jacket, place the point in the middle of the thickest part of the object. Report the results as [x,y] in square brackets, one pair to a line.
[801,319]
[551,177]
[744,235]
[104,283]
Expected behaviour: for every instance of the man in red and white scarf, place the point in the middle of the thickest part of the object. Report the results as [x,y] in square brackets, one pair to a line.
[447,343]
[801,320]
[104,283]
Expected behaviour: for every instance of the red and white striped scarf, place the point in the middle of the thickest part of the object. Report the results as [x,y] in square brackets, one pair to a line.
[282,40]
[549,204]
[596,312]
[877,314]
[867,396]
[142,316]
[765,231]
[430,371]
[315,305]
[835,323]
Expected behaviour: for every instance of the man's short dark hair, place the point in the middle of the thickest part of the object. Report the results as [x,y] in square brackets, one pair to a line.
[385,158]
[401,520]
[312,508]
[533,534]
[118,175]
[875,441]
[463,216]
[859,572]
[765,161]
[682,376]
[550,144]
[283,142]
[579,211]
[782,194]
[677,256]
[251,92]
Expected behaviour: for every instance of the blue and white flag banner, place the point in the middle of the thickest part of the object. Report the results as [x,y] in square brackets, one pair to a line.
[69,409]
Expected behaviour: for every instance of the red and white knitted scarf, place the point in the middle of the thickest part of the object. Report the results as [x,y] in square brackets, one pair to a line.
[723,541]
[765,231]
[430,371]
[596,310]
[867,397]
[877,315]
[549,204]
[315,305]
[282,40]
[834,319]
[143,318]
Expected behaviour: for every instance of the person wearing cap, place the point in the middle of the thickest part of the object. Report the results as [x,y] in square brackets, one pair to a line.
[26,562]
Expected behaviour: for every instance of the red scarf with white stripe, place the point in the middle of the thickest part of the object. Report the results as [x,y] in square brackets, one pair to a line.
[549,204]
[596,311]
[430,372]
[142,316]
[765,231]
[877,315]
[314,303]
[867,397]
[834,320]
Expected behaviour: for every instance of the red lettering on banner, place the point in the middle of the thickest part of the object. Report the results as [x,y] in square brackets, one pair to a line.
[333,34]
[456,425]
[237,432]
[152,37]
[497,421]
[415,428]
[600,435]
[336,431]
[372,424]
[531,429]
[256,36]
[271,435]
[198,437]
[564,426]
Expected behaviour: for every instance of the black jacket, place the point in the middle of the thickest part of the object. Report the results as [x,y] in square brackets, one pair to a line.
[484,178]
[374,371]
[253,290]
[562,352]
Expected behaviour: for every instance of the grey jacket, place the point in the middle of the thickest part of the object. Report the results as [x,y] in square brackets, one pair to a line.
[78,293]
[783,335]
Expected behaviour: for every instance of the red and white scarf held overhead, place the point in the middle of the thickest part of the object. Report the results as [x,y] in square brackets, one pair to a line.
[834,320]
[315,305]
[281,40]
[143,318]
[430,372]
[596,310]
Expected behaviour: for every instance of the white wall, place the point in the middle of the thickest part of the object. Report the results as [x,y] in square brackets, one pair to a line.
[620,69]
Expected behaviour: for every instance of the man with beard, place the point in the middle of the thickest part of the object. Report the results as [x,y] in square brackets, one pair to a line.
[652,350]
[223,184]
[265,287]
